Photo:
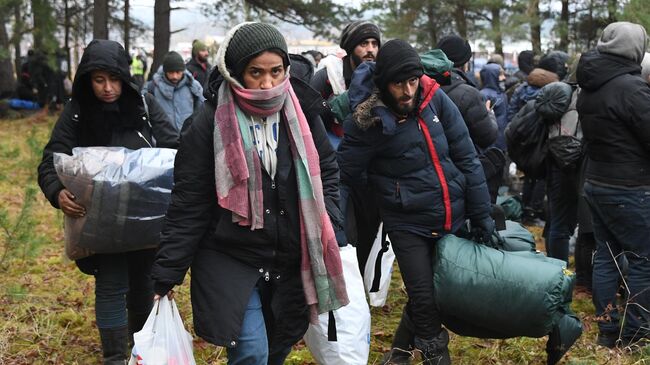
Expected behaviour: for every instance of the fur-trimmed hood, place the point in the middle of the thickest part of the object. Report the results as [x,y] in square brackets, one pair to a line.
[367,105]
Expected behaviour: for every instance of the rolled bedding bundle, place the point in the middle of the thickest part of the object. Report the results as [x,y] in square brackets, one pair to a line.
[125,192]
[492,293]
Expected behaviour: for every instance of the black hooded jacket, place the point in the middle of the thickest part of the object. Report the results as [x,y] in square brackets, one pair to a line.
[614,110]
[86,121]
[482,125]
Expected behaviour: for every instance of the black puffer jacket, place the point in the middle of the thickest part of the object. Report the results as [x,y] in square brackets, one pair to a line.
[228,260]
[482,125]
[614,109]
[82,123]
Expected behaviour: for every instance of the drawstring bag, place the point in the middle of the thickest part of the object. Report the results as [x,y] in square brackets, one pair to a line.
[379,269]
[163,339]
[342,336]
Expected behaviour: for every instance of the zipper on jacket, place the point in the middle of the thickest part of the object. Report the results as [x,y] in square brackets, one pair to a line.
[267,277]
[141,136]
[397,188]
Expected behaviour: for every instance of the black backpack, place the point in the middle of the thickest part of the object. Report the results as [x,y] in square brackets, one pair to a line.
[526,137]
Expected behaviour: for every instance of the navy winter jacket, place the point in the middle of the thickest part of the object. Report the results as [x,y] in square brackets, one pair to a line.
[491,90]
[421,188]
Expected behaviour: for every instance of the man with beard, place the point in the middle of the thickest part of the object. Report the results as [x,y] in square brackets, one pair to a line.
[411,142]
[198,66]
[360,40]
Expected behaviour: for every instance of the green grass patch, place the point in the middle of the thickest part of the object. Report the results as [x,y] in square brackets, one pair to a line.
[47,305]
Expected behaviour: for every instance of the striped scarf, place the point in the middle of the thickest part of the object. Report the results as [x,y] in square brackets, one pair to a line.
[238,176]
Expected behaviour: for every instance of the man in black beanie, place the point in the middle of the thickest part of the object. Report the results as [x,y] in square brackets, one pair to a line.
[411,141]
[360,40]
[479,118]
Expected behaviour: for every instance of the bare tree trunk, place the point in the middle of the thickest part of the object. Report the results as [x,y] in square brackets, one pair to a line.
[431,25]
[496,28]
[535,26]
[611,11]
[66,39]
[564,27]
[461,21]
[100,19]
[17,36]
[161,33]
[127,26]
[592,28]
[7,79]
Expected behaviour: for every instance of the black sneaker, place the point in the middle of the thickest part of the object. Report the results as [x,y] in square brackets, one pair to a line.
[397,357]
[607,339]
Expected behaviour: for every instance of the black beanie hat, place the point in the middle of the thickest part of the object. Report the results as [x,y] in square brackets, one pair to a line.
[173,62]
[356,32]
[456,48]
[396,61]
[526,61]
[250,40]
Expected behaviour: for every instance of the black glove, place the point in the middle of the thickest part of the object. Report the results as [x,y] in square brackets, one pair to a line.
[483,230]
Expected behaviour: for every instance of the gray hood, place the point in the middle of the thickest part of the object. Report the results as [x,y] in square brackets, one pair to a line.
[624,39]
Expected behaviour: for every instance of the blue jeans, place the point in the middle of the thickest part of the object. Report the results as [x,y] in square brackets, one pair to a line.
[621,219]
[253,347]
[123,281]
[563,208]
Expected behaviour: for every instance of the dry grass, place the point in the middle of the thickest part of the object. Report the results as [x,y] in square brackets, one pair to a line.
[46,304]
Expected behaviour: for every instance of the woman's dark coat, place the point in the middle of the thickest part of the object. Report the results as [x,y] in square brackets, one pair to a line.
[399,166]
[228,260]
[83,122]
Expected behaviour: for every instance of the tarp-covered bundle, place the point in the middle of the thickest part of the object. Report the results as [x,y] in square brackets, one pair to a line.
[125,193]
[489,293]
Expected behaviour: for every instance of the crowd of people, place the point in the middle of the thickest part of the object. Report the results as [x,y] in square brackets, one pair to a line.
[304,162]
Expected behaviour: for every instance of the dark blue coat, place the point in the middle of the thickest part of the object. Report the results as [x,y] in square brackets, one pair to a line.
[491,90]
[420,190]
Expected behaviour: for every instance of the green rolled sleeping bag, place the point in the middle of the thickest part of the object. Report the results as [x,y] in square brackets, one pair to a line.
[517,238]
[489,293]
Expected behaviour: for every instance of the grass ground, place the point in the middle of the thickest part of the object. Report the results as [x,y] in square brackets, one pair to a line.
[46,304]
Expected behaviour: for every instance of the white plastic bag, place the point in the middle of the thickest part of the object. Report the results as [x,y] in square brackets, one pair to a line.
[352,344]
[379,269]
[163,339]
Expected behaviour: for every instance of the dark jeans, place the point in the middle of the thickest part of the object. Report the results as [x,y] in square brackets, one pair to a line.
[532,195]
[123,281]
[563,208]
[621,220]
[415,258]
[585,246]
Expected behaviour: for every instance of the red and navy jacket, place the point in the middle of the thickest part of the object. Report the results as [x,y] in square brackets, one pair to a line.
[424,170]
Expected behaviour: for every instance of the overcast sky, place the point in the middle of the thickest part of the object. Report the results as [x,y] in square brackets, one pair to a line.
[197,24]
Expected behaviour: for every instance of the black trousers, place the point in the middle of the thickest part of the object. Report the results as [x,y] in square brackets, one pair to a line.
[415,258]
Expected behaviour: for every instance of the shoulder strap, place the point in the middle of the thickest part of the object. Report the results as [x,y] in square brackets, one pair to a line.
[146,110]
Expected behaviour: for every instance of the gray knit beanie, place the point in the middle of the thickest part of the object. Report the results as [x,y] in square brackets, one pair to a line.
[173,62]
[251,39]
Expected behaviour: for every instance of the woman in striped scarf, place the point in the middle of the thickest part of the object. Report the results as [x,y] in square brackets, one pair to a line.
[263,251]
